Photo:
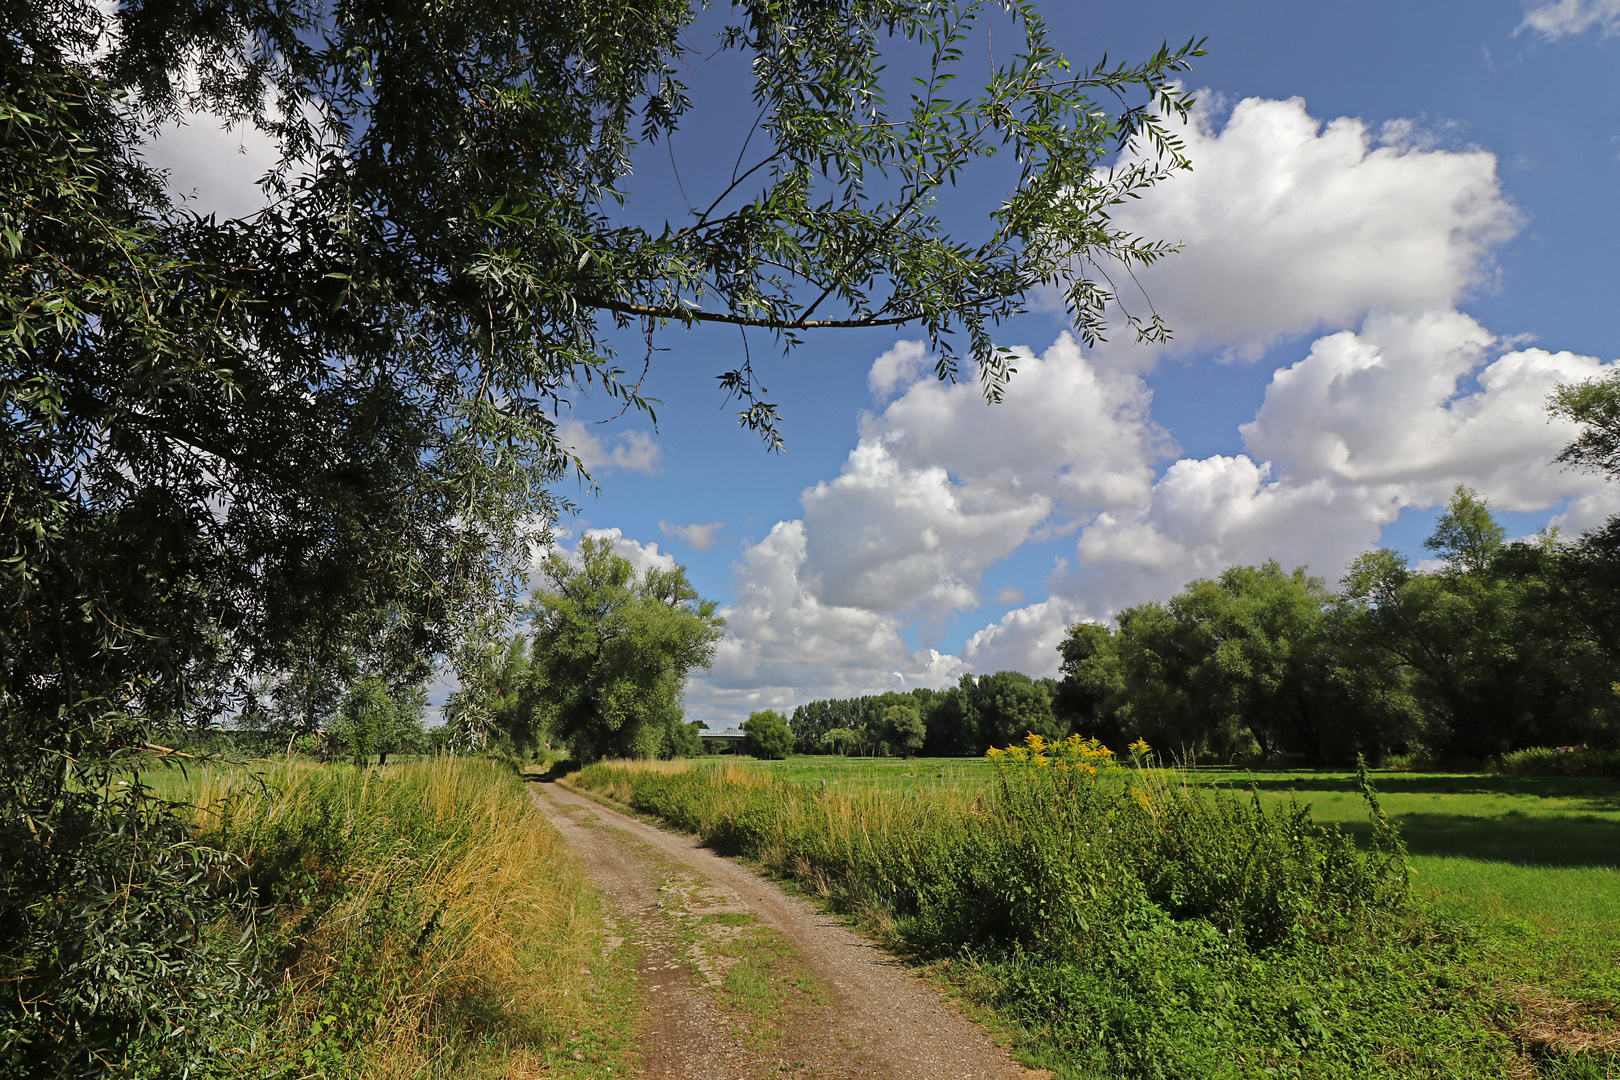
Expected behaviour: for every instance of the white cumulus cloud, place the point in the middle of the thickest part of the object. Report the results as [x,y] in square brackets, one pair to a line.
[784,645]
[1391,408]
[941,485]
[640,556]
[899,365]
[890,537]
[1291,226]
[1565,17]
[633,451]
[1025,639]
[702,537]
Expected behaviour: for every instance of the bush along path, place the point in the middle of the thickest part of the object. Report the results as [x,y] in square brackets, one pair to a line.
[742,980]
[1126,925]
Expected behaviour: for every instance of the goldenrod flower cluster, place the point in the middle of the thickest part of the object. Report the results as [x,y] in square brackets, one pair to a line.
[1073,754]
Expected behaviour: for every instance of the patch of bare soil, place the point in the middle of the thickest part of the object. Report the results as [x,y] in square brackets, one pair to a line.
[745,981]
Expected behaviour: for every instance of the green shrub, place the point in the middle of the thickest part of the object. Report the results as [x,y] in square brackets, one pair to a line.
[767,735]
[1566,761]
[101,902]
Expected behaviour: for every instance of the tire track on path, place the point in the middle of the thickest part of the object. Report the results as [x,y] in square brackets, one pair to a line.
[871,1017]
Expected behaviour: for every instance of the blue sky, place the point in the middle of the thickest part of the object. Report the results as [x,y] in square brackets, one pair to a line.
[1400,231]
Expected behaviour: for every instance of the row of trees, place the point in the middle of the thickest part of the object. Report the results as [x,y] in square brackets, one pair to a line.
[979,712]
[1502,646]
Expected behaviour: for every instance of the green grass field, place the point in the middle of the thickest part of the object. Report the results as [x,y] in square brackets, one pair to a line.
[1535,861]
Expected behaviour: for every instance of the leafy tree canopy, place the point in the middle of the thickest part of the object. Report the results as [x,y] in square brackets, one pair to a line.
[612,648]
[767,735]
[1007,706]
[1467,534]
[344,406]
[321,439]
[373,721]
[1595,406]
[902,729]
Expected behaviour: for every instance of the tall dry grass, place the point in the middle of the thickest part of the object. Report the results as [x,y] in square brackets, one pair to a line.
[420,920]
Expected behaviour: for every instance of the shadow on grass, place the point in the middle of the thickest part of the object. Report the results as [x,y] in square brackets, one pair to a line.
[1527,841]
[554,770]
[1598,793]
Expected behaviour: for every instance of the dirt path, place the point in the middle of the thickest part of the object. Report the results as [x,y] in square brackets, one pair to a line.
[745,981]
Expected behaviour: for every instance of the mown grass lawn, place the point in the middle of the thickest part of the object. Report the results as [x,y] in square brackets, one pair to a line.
[1535,861]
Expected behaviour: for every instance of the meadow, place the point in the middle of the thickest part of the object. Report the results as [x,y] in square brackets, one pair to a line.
[1533,862]
[1231,931]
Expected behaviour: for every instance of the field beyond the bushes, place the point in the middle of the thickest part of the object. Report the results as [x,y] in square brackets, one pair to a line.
[1499,961]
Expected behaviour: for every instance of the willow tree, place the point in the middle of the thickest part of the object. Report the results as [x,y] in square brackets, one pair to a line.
[611,650]
[330,426]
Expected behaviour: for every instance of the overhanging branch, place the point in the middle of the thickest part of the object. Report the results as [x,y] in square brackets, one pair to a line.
[691,315]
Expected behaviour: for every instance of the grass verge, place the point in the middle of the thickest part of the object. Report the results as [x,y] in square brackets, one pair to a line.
[421,920]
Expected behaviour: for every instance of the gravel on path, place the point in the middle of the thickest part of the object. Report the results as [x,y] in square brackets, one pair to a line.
[868,1016]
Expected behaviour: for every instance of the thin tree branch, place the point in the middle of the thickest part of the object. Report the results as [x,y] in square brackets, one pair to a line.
[685,314]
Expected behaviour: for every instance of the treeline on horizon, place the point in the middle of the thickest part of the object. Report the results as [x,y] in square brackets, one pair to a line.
[1502,647]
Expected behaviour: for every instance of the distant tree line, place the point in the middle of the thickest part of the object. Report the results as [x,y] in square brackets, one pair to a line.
[1502,646]
[962,720]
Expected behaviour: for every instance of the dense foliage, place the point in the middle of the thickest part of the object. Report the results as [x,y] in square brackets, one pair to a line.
[978,712]
[373,723]
[766,735]
[1504,646]
[1131,923]
[602,665]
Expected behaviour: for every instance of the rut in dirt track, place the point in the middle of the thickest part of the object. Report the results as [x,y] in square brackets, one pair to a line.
[862,1014]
